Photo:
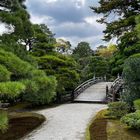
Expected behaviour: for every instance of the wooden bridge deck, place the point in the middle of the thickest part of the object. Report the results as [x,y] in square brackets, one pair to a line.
[95,93]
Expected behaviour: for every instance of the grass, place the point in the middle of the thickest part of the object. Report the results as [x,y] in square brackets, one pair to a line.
[96,130]
[116,131]
[102,127]
[3,121]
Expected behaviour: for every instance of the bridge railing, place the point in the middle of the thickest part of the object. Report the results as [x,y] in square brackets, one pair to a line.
[113,93]
[85,85]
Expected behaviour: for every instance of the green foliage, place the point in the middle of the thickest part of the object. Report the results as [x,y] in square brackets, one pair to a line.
[116,64]
[137,104]
[118,109]
[83,50]
[44,41]
[10,90]
[123,28]
[63,46]
[4,74]
[40,90]
[138,25]
[132,120]
[3,121]
[108,51]
[17,49]
[126,10]
[132,79]
[19,68]
[63,68]
[98,65]
[37,73]
[67,80]
[137,55]
[17,17]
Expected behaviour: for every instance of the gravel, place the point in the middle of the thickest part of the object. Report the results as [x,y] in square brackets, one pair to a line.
[65,122]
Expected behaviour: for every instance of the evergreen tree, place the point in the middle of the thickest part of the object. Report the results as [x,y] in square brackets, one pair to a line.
[123,28]
[43,41]
[14,15]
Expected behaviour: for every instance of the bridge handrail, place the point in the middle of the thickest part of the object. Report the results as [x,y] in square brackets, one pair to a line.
[115,88]
[86,84]
[83,83]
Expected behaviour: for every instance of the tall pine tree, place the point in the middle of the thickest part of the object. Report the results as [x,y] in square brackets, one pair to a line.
[121,27]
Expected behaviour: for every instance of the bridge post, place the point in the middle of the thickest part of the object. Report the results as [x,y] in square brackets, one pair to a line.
[72,96]
[105,78]
[114,96]
[107,93]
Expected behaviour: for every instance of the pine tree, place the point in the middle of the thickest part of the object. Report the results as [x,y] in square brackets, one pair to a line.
[14,15]
[121,27]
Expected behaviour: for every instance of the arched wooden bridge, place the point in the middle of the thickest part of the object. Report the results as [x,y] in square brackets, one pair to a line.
[97,90]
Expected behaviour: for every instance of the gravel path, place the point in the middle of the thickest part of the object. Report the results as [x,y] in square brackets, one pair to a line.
[65,122]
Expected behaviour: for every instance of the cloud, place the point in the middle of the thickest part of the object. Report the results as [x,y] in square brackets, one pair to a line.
[82,29]
[5,28]
[72,20]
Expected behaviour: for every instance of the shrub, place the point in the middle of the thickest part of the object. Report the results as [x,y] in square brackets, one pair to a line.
[11,90]
[37,73]
[67,80]
[40,90]
[132,120]
[132,79]
[137,104]
[118,109]
[63,68]
[3,121]
[4,74]
[19,68]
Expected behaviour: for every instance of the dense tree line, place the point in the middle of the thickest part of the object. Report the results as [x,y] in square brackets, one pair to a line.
[42,55]
[32,67]
[122,28]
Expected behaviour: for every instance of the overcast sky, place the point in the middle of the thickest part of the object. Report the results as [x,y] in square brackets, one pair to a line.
[72,20]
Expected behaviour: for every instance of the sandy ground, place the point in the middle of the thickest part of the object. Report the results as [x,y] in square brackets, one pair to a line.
[65,122]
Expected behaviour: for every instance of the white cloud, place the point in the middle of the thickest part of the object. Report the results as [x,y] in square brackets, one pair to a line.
[94,41]
[79,3]
[41,19]
[71,20]
[2,28]
[50,1]
[5,28]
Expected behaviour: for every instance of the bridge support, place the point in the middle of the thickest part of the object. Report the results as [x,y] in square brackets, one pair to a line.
[113,94]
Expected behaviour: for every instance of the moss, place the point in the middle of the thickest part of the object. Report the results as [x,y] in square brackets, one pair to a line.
[97,127]
[116,131]
[19,106]
[102,127]
[21,124]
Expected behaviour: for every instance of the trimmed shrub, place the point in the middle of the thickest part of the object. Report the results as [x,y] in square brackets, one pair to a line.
[132,120]
[118,109]
[137,104]
[40,90]
[19,68]
[67,80]
[4,74]
[11,90]
[63,68]
[3,121]
[37,73]
[132,79]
